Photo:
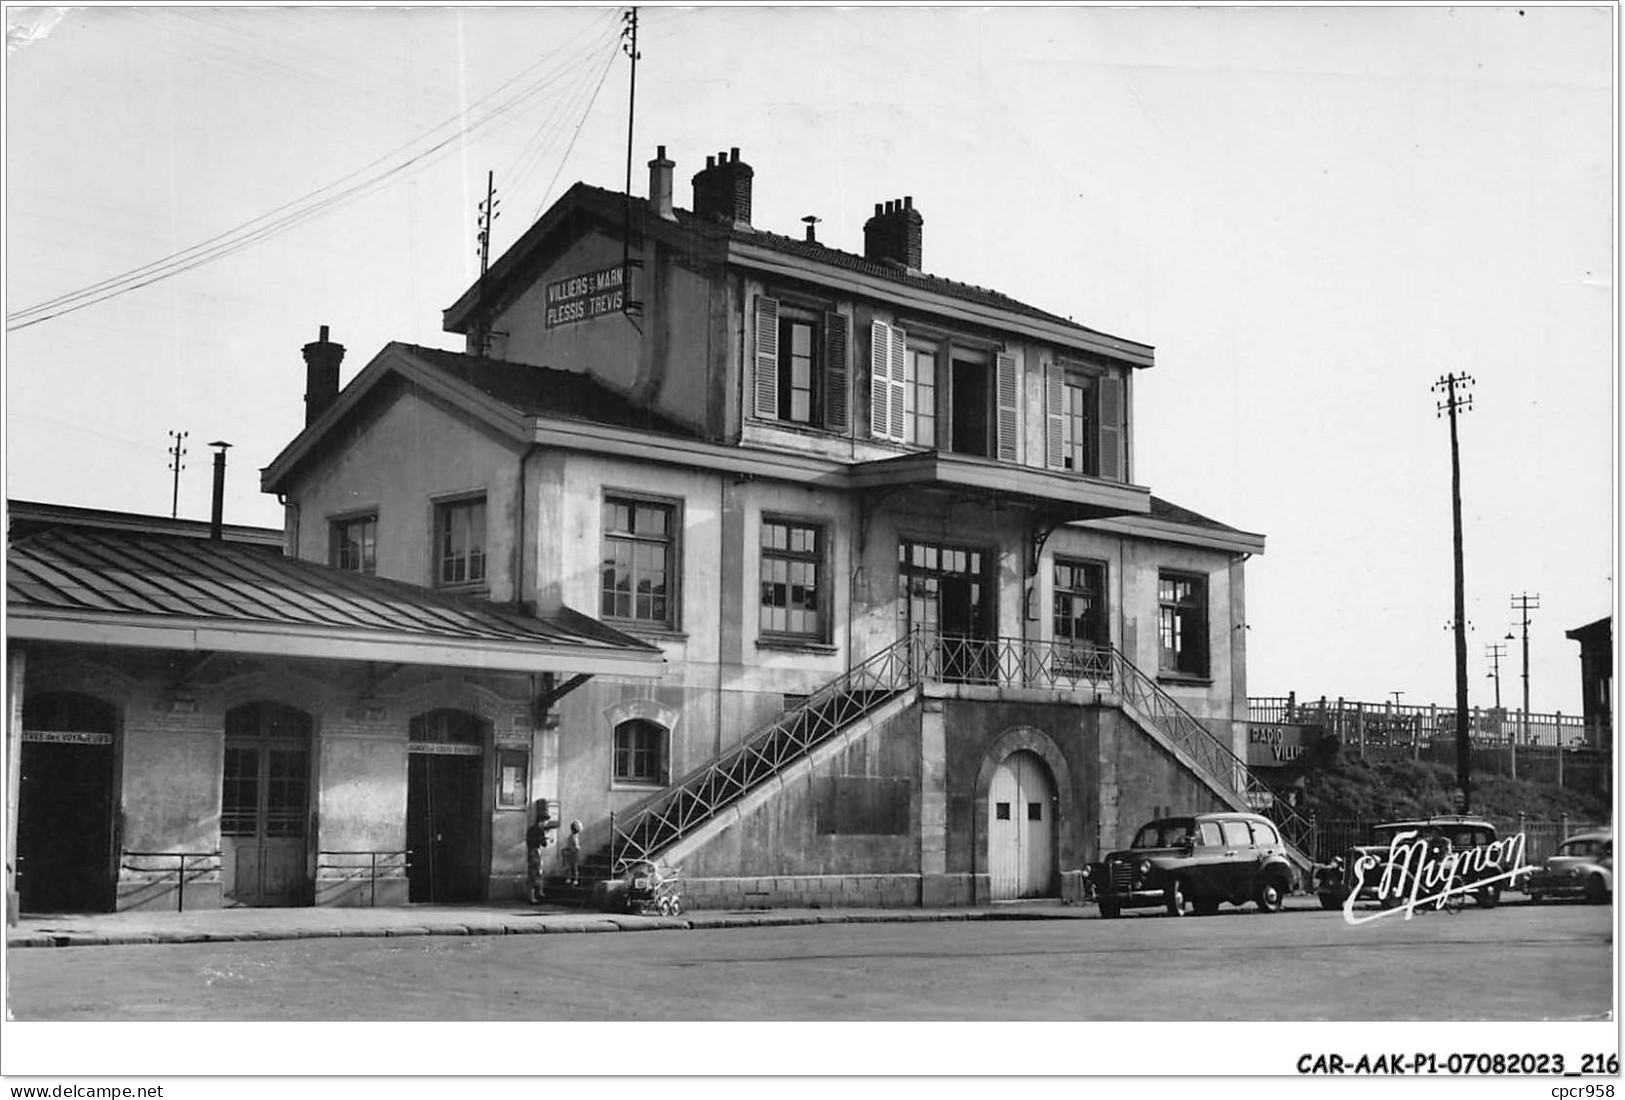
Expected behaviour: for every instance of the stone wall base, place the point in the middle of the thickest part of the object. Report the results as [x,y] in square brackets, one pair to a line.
[163,893]
[361,892]
[804,892]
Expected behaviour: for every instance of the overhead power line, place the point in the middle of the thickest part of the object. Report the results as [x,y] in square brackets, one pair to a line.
[367,178]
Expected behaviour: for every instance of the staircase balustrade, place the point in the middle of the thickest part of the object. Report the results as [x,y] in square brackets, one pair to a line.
[664,818]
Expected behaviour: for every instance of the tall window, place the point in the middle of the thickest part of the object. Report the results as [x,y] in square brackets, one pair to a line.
[460,543]
[1078,448]
[355,544]
[1080,603]
[1084,420]
[798,370]
[793,596]
[920,397]
[639,566]
[641,752]
[1182,625]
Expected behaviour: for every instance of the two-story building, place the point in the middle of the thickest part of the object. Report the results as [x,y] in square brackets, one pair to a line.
[926,639]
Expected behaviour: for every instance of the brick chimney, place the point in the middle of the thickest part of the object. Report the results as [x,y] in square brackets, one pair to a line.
[322,359]
[722,190]
[660,185]
[894,233]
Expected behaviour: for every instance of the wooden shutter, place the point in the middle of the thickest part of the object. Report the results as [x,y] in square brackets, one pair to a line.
[1109,389]
[1007,422]
[837,373]
[899,383]
[767,357]
[880,340]
[1054,416]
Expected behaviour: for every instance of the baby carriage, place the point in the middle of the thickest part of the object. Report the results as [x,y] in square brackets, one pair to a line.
[651,888]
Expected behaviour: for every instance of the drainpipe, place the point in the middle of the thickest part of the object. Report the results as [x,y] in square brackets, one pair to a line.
[217,513]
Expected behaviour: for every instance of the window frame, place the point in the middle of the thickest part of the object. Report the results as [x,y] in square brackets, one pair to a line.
[662,770]
[1198,665]
[335,541]
[673,542]
[1100,637]
[791,315]
[819,557]
[445,507]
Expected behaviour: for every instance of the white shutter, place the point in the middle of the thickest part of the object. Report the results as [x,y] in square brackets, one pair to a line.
[899,382]
[1054,417]
[767,357]
[1008,419]
[879,380]
[1110,391]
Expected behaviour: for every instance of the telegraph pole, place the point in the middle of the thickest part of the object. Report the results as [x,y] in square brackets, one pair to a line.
[1524,604]
[488,214]
[176,453]
[1453,385]
[630,306]
[1495,651]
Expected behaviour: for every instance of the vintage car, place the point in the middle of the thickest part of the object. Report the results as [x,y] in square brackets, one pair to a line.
[1195,864]
[1582,867]
[1408,846]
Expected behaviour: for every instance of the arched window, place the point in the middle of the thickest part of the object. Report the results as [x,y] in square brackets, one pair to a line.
[642,752]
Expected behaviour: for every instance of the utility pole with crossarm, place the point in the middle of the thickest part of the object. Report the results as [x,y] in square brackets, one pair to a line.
[1452,386]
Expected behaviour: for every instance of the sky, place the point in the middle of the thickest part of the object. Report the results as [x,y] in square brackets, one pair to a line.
[1312,214]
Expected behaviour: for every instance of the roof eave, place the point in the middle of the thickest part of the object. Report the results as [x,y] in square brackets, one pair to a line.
[1165,530]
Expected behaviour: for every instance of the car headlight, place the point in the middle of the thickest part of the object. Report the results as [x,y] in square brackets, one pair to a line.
[1144,868]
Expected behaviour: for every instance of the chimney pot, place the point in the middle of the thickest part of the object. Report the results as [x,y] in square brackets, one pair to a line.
[735,151]
[710,162]
[322,359]
[722,190]
[660,185]
[908,202]
[660,152]
[894,234]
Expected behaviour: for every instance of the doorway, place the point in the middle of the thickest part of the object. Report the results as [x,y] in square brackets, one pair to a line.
[265,806]
[1021,829]
[946,596]
[444,802]
[66,857]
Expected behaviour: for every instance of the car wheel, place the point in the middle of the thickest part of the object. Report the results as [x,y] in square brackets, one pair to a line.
[1330,901]
[1596,890]
[1270,897]
[1178,898]
[1109,910]
[1534,898]
[1489,896]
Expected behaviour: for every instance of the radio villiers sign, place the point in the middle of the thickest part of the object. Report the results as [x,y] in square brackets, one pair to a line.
[585,297]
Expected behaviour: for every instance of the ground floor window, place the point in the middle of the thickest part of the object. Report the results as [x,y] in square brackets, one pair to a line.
[641,752]
[1079,603]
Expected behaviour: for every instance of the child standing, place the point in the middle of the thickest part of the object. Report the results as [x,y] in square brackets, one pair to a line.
[572,855]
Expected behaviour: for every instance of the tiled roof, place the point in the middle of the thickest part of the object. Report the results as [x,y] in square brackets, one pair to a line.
[613,204]
[545,391]
[1173,513]
[141,578]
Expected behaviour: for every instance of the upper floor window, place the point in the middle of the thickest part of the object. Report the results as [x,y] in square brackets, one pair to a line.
[1083,421]
[943,394]
[460,543]
[355,544]
[1080,603]
[1182,623]
[793,597]
[639,562]
[800,364]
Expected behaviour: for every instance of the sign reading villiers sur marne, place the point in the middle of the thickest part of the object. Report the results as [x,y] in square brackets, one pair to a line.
[585,297]
[1417,874]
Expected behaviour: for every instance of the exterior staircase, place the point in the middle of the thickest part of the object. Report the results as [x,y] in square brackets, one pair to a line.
[663,819]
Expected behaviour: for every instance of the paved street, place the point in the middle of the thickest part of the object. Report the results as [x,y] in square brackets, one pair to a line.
[1518,962]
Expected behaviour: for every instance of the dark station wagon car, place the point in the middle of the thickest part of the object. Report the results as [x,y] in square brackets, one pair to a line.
[1195,864]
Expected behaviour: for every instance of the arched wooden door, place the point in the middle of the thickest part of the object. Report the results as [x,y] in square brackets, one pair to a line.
[65,846]
[265,805]
[1021,828]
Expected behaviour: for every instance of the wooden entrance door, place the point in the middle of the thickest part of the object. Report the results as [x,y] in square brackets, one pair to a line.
[445,802]
[65,852]
[1021,829]
[265,805]
[946,596]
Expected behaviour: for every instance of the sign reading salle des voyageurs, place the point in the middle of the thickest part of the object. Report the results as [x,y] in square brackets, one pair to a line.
[585,297]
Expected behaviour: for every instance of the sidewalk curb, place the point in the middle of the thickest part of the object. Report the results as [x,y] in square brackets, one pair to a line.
[503,924]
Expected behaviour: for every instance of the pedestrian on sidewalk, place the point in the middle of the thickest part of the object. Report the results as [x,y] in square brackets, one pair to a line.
[535,841]
[572,855]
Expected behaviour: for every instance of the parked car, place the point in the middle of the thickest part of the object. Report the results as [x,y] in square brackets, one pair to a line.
[1442,836]
[1582,867]
[1195,864]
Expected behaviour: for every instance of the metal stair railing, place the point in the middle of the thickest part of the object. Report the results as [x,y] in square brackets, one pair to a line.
[1210,753]
[673,813]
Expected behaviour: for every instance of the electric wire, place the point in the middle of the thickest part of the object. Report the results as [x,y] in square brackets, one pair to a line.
[297,211]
